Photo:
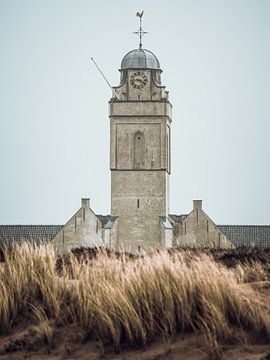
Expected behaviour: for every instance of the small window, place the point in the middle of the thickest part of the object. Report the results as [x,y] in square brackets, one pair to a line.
[138,203]
[139,150]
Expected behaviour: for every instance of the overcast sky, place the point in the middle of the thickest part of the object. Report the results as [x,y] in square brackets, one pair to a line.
[54,126]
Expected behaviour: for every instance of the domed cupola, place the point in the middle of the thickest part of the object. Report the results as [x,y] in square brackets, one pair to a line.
[140,59]
[138,68]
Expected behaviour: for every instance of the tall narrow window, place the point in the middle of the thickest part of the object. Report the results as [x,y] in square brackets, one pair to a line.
[139,150]
[138,203]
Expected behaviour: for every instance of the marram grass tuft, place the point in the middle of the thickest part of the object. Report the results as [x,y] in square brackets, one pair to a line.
[129,302]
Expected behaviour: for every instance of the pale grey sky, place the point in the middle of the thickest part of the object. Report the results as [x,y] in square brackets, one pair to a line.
[54,126]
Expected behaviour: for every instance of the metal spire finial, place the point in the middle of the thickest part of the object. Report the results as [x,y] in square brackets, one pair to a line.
[140,32]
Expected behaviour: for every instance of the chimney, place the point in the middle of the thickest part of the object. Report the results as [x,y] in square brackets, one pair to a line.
[197,204]
[85,203]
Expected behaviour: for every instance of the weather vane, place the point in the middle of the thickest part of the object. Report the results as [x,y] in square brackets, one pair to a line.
[140,32]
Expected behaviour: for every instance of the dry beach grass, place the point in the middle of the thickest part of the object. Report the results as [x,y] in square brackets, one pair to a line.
[122,303]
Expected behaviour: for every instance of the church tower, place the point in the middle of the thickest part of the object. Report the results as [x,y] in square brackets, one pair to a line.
[140,153]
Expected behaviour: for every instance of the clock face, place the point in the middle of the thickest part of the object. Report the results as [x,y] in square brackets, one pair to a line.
[138,80]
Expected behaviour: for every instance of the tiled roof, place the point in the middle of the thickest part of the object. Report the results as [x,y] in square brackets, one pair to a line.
[165,222]
[110,222]
[178,218]
[240,235]
[249,235]
[32,233]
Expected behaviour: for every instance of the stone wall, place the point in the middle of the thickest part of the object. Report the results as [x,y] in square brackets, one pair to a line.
[198,230]
[167,235]
[110,234]
[139,199]
[140,160]
[84,229]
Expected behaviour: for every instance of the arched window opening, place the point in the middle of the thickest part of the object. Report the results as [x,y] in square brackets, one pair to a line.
[139,150]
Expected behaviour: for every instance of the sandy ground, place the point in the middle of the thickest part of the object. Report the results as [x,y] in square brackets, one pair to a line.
[24,345]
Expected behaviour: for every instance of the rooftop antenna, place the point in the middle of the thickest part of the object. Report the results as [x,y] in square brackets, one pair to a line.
[140,32]
[104,77]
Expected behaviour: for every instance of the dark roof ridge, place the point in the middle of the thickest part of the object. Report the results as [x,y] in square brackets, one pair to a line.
[179,214]
[31,225]
[247,225]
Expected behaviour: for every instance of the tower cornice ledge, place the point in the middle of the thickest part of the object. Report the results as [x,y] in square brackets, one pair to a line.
[161,169]
[162,101]
[140,116]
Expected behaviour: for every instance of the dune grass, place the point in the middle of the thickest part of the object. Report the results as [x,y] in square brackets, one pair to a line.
[123,302]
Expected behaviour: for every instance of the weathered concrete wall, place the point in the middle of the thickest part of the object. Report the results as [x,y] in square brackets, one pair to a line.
[197,229]
[83,229]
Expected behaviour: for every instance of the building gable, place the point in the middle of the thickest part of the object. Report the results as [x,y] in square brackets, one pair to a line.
[84,229]
[197,230]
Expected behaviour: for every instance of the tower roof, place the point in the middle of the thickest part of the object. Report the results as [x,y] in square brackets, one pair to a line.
[140,59]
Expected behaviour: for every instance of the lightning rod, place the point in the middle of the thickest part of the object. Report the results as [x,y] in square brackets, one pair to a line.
[104,77]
